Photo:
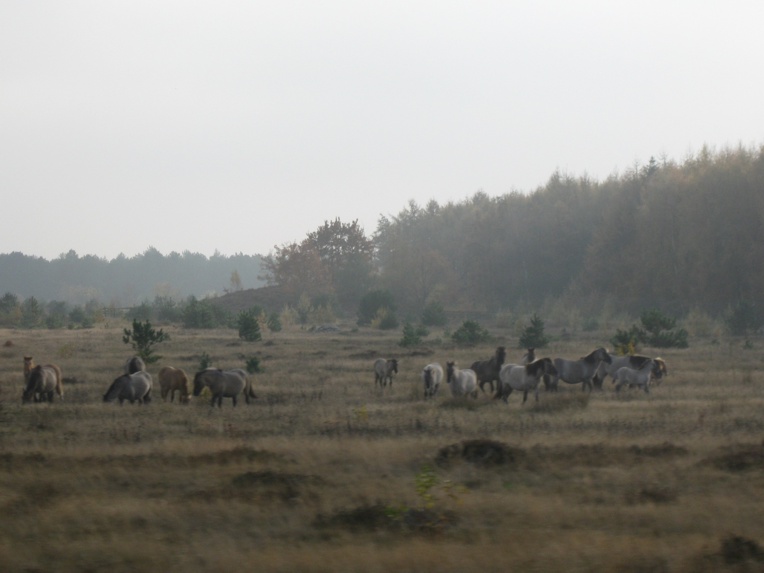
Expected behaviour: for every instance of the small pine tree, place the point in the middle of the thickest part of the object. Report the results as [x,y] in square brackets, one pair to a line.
[249,326]
[410,336]
[533,335]
[143,337]
[470,332]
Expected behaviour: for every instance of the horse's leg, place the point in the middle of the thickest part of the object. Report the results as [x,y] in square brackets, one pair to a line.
[234,400]
[525,395]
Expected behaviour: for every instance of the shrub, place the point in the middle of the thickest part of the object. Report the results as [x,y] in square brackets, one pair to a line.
[253,364]
[371,303]
[143,337]
[385,319]
[533,335]
[470,332]
[657,330]
[248,324]
[411,335]
[274,322]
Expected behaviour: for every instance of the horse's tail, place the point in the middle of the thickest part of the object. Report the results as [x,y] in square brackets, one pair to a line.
[249,392]
[59,381]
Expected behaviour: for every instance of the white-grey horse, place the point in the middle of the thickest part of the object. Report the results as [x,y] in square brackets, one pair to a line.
[579,371]
[41,382]
[134,364]
[462,382]
[224,384]
[384,370]
[640,377]
[135,387]
[432,377]
[524,377]
[634,361]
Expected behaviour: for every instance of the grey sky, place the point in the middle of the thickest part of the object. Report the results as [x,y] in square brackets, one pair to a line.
[236,126]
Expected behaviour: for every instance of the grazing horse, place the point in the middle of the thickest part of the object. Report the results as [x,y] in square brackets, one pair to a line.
[524,377]
[172,379]
[578,371]
[224,384]
[384,370]
[633,361]
[640,377]
[135,387]
[488,370]
[432,376]
[41,381]
[134,364]
[462,382]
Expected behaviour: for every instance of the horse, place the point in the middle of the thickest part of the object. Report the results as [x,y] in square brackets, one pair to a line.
[134,364]
[634,361]
[224,384]
[529,356]
[432,376]
[172,379]
[41,382]
[488,370]
[640,377]
[578,371]
[523,377]
[462,382]
[384,370]
[135,387]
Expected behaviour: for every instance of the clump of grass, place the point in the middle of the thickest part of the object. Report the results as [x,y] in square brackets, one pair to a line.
[559,402]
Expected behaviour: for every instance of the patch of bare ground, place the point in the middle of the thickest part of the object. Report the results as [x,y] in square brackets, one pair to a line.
[737,458]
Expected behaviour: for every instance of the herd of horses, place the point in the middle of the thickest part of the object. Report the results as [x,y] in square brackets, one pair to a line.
[135,384]
[41,382]
[590,371]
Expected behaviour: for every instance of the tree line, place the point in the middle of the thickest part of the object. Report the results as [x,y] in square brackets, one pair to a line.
[125,281]
[671,236]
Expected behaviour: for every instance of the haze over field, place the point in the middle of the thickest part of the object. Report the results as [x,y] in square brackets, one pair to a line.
[237,126]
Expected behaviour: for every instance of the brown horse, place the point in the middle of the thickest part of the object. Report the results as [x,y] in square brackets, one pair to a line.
[40,382]
[172,379]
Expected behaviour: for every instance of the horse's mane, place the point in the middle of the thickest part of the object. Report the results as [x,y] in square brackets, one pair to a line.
[590,357]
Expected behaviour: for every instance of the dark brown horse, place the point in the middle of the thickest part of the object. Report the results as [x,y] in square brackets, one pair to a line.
[488,370]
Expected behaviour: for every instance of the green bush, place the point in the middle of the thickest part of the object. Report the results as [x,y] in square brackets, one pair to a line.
[371,303]
[656,330]
[470,332]
[143,337]
[412,336]
[533,334]
[249,326]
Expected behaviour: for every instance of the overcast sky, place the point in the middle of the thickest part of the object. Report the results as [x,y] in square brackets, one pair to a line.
[239,125]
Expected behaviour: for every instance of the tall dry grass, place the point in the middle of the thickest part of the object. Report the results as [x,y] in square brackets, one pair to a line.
[325,472]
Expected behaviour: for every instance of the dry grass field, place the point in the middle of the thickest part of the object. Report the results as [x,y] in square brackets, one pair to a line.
[324,472]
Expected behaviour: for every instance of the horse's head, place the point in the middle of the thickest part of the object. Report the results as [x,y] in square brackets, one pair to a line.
[113,391]
[199,382]
[450,367]
[28,365]
[393,365]
[34,377]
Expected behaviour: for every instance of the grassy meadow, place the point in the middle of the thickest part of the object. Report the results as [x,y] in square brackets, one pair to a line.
[325,472]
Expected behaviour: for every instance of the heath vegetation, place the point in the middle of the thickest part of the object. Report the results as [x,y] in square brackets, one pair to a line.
[326,472]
